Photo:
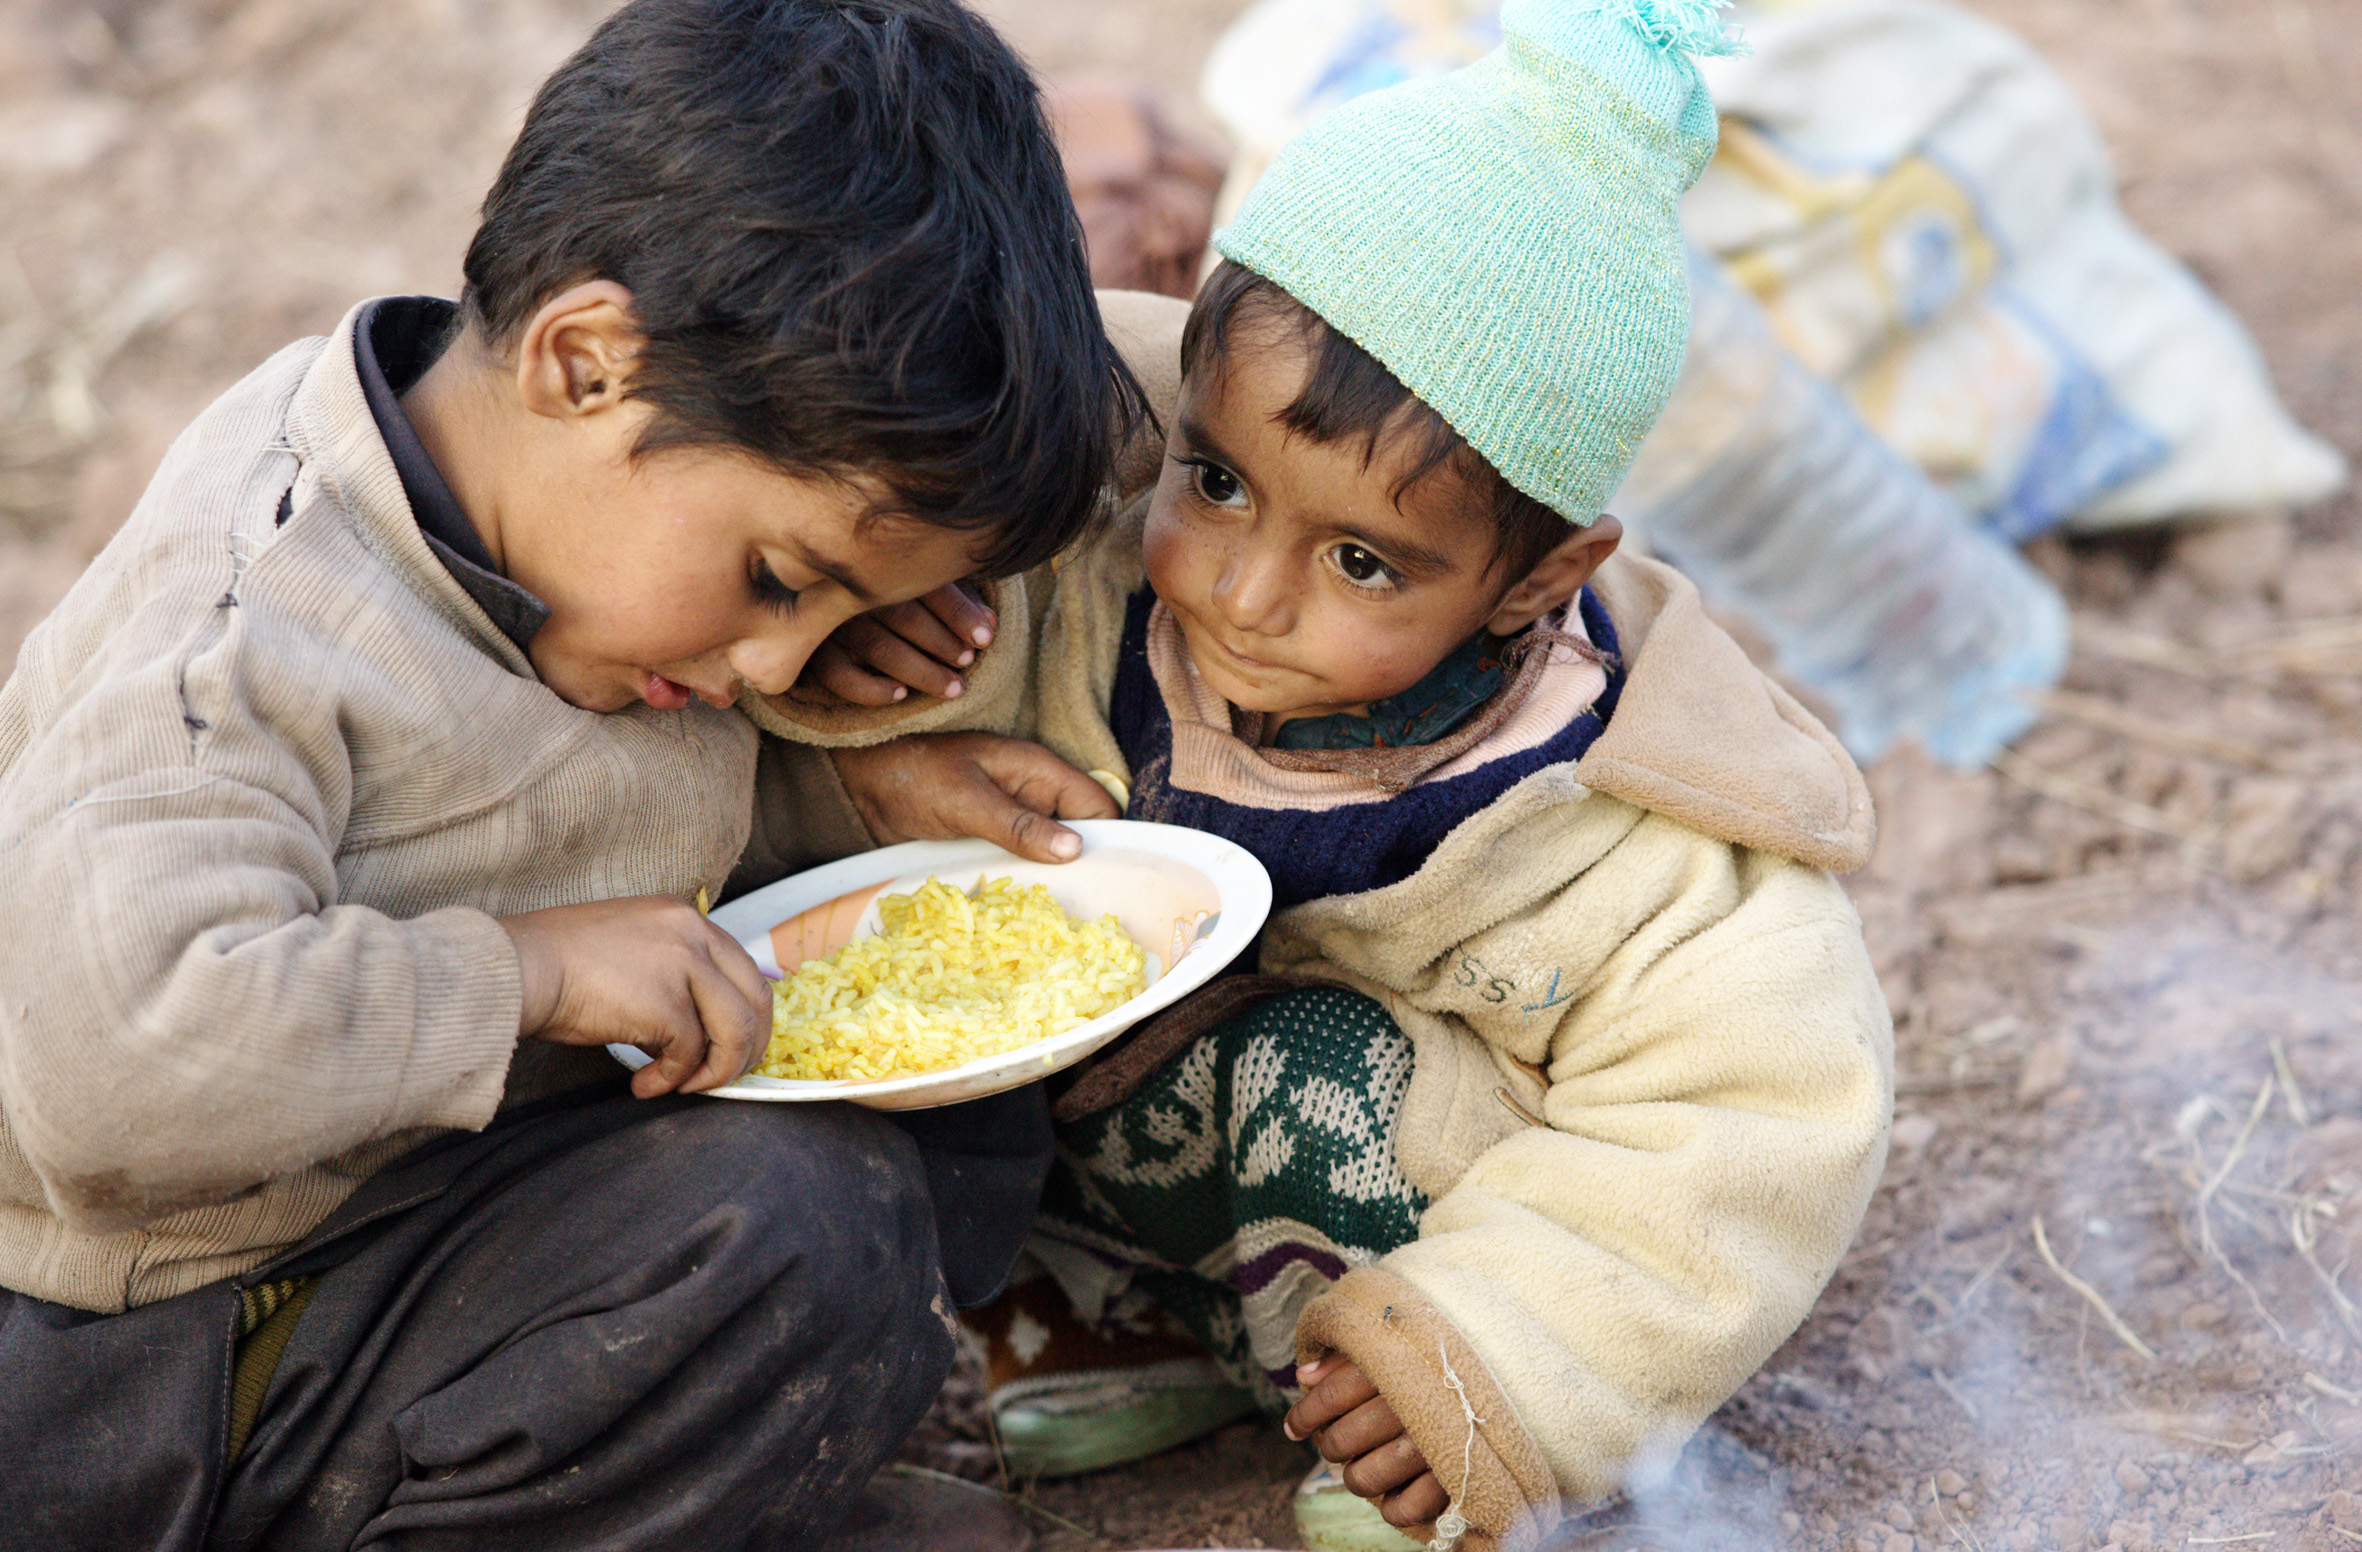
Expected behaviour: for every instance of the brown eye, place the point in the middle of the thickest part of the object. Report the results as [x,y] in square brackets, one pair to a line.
[1217,485]
[1359,564]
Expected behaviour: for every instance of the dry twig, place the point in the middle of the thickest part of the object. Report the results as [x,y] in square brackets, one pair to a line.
[2296,1101]
[1976,1284]
[2206,1195]
[1910,1087]
[2147,1422]
[2111,717]
[1944,1382]
[2300,1234]
[2091,1296]
[2098,800]
[1935,1496]
[2311,646]
[2334,1392]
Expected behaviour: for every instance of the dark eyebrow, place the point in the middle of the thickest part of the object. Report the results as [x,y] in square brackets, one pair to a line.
[1415,558]
[1200,440]
[837,572]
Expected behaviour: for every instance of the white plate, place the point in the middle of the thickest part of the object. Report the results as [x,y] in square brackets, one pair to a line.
[1192,901]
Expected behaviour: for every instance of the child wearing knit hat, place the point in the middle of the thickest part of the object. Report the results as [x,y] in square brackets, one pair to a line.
[1564,1079]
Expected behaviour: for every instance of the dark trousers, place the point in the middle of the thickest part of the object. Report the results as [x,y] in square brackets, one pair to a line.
[602,1324]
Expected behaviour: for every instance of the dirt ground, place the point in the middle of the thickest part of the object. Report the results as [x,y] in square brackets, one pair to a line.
[2098,1299]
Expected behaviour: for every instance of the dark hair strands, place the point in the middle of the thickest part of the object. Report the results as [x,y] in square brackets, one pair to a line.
[1350,394]
[850,249]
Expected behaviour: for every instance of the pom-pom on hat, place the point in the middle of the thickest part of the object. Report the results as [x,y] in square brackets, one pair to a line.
[1507,239]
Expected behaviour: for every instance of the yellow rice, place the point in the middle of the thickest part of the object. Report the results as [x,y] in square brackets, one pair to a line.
[951,977]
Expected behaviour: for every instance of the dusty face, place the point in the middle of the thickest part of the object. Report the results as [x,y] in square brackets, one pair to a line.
[690,572]
[1301,587]
[695,572]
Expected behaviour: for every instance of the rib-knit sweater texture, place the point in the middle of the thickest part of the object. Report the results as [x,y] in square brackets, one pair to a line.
[263,791]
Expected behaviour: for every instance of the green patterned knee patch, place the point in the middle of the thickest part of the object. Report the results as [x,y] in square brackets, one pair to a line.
[1249,1173]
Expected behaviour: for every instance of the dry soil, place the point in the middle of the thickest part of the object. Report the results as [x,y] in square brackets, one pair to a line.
[2104,1295]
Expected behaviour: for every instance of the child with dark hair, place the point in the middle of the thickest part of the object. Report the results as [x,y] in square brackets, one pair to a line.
[359,792]
[1565,1080]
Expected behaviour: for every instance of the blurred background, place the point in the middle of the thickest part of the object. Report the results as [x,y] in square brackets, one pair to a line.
[2118,930]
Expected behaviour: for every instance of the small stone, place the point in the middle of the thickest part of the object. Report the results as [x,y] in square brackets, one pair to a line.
[1791,1522]
[2237,556]
[1976,1205]
[1937,1350]
[2131,1477]
[2204,1316]
[2264,826]
[1913,1133]
[1966,1501]
[1898,1542]
[2046,1070]
[1951,1483]
[2021,859]
[2345,1509]
[1899,1517]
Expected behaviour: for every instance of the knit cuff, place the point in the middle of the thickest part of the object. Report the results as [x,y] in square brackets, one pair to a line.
[1448,1402]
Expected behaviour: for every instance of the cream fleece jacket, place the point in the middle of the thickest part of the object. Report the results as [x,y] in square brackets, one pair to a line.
[1652,1072]
[263,791]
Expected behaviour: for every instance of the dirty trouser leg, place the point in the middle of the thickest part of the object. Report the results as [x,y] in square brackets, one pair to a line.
[615,1324]
[1240,1180]
[700,1324]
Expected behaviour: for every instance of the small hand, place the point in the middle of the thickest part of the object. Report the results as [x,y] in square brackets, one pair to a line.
[941,786]
[650,972]
[1357,1429]
[878,658]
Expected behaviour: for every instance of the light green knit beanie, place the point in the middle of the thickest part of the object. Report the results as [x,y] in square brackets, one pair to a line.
[1506,238]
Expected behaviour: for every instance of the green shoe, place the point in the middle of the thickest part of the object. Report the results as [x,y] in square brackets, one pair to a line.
[1331,1518]
[1067,1397]
[1064,1425]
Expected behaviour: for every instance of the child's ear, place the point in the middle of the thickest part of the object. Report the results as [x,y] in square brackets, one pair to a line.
[578,351]
[1557,577]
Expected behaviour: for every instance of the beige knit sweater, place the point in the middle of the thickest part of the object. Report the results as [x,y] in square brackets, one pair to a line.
[263,791]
